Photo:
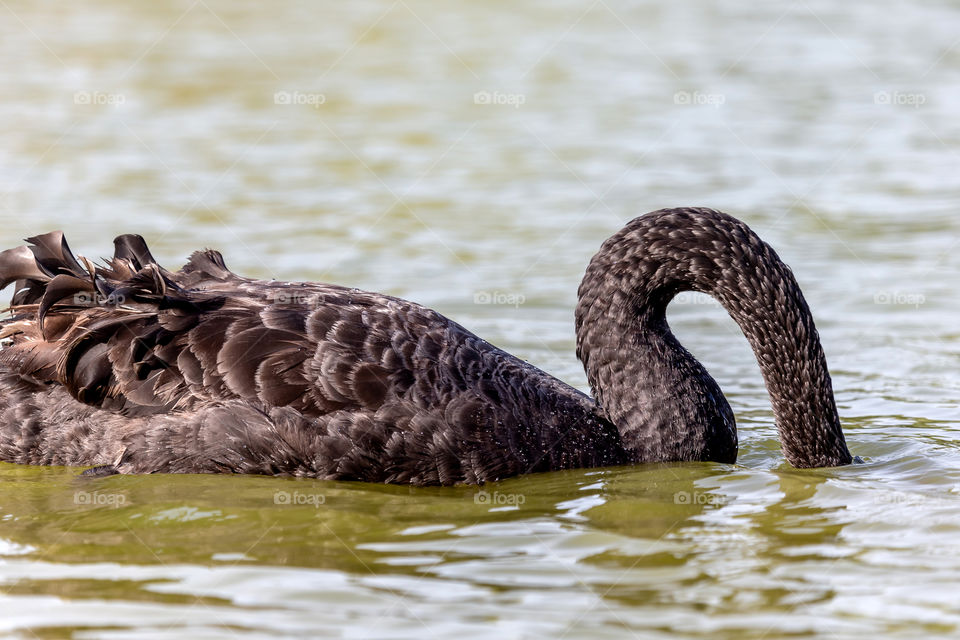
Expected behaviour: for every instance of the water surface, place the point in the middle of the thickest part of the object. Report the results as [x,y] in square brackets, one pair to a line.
[472,157]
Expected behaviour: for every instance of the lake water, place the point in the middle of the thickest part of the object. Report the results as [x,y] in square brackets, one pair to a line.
[472,157]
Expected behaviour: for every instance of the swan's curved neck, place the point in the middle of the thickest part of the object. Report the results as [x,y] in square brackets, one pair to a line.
[662,400]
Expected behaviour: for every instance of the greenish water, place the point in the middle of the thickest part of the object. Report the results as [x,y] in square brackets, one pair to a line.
[472,157]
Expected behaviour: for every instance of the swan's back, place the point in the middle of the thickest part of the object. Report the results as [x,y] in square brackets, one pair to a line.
[200,370]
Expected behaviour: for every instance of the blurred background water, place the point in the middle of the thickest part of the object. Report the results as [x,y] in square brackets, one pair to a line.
[472,157]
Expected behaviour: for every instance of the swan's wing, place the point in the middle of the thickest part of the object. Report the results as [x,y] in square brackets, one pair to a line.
[394,391]
[135,338]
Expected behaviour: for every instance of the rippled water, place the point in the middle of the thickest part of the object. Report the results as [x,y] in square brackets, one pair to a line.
[464,153]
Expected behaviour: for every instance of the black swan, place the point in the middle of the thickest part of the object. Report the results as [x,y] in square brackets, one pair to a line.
[130,368]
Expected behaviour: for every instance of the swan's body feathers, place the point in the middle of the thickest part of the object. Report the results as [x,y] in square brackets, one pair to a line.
[201,370]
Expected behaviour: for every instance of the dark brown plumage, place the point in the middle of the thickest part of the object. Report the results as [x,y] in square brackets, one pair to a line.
[137,369]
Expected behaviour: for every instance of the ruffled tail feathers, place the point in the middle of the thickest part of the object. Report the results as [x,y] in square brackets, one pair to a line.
[19,264]
[50,277]
[133,249]
[107,333]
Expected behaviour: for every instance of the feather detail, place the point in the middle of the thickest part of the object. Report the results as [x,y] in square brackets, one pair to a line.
[19,264]
[138,369]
